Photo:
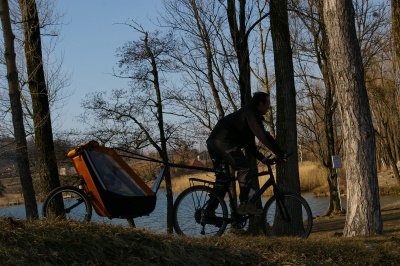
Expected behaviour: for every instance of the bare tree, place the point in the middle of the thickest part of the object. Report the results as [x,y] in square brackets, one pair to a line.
[265,79]
[56,78]
[363,208]
[48,169]
[318,106]
[209,83]
[17,114]
[142,109]
[318,113]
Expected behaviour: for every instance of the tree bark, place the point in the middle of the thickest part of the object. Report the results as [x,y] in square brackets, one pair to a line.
[396,31]
[239,36]
[363,208]
[48,169]
[287,174]
[17,115]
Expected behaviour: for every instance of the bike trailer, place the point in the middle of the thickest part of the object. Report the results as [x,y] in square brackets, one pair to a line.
[116,191]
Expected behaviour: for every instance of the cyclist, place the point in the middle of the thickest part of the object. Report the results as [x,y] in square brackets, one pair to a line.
[236,131]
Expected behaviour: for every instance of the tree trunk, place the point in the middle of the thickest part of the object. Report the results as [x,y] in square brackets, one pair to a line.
[396,31]
[330,109]
[287,174]
[163,152]
[239,35]
[48,169]
[363,207]
[17,115]
[240,42]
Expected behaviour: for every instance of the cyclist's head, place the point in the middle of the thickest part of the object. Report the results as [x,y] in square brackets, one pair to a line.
[259,97]
[261,101]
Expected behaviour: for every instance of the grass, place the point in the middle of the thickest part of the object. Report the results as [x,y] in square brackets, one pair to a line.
[69,243]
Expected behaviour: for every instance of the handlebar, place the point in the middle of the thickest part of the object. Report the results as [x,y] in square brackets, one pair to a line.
[275,160]
[270,161]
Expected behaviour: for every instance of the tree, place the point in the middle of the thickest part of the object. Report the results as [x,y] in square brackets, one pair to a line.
[48,169]
[17,115]
[318,109]
[363,208]
[262,75]
[288,174]
[240,27]
[209,84]
[142,109]
[317,106]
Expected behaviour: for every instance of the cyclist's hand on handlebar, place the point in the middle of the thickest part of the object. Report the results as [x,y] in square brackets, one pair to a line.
[277,159]
[268,160]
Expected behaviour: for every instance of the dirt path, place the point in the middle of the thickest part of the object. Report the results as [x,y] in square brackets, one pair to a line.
[334,225]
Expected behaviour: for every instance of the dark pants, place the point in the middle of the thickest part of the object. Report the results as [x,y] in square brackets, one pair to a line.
[230,153]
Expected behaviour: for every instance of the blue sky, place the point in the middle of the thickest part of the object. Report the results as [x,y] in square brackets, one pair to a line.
[89,41]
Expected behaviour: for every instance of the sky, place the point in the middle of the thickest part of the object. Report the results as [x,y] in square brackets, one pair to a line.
[89,40]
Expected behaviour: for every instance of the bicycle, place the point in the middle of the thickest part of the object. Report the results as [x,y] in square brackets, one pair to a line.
[285,213]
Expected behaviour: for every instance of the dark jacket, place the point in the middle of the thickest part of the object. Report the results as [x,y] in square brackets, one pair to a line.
[240,128]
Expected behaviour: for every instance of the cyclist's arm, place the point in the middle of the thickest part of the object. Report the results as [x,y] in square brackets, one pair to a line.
[264,137]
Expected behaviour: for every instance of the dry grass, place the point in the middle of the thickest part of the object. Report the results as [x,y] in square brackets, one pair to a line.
[312,176]
[68,243]
[10,200]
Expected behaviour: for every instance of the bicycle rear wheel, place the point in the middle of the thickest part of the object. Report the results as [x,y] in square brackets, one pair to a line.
[69,203]
[288,215]
[191,217]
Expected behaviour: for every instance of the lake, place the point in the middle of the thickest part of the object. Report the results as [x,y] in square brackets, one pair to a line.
[156,221]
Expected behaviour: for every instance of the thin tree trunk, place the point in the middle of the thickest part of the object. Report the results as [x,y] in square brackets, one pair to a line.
[17,115]
[239,35]
[396,31]
[160,117]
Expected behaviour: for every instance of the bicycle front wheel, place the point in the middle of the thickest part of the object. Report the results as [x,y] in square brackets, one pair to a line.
[287,215]
[69,203]
[193,218]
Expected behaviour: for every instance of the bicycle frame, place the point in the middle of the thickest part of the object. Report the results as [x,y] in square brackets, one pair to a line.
[267,184]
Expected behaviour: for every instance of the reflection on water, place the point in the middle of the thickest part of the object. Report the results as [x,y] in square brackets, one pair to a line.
[156,221]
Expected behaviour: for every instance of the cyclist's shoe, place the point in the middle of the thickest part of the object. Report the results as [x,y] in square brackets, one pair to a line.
[248,208]
[213,219]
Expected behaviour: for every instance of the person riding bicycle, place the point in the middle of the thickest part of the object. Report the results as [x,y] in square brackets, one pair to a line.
[236,131]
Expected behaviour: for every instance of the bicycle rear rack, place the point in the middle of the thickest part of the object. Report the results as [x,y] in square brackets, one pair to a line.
[193,180]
